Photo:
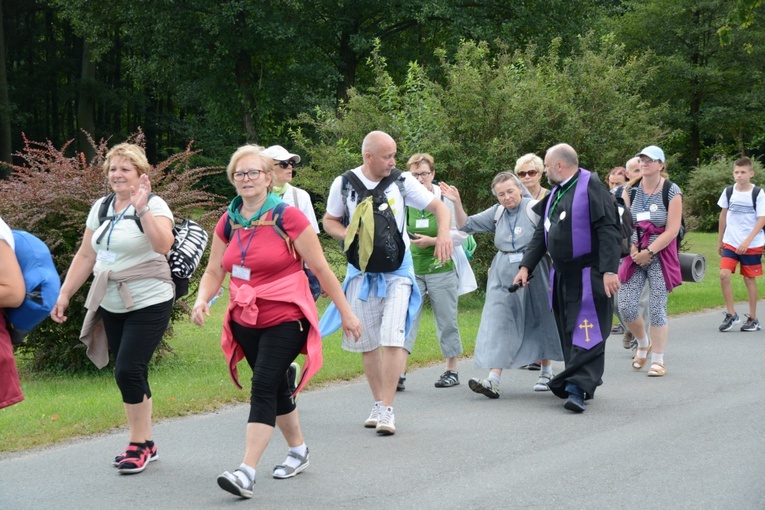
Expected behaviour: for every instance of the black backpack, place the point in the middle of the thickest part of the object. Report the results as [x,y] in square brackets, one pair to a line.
[389,247]
[755,191]
[665,201]
[188,247]
[625,223]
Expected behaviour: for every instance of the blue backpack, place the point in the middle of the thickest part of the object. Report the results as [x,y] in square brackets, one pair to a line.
[42,285]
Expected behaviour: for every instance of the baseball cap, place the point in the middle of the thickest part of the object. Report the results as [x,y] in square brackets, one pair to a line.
[279,153]
[652,152]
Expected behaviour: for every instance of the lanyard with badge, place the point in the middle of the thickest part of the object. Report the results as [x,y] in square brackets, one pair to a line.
[558,196]
[514,257]
[645,215]
[106,255]
[240,271]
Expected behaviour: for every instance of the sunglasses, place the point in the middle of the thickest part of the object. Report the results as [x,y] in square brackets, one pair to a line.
[530,173]
[286,164]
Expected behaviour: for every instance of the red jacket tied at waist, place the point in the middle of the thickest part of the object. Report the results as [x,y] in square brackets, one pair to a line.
[290,289]
[668,258]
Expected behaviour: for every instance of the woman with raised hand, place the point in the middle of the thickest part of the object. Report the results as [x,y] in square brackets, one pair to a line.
[132,292]
[517,327]
[271,316]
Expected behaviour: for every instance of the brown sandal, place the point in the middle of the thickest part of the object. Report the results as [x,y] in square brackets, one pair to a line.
[657,370]
[639,363]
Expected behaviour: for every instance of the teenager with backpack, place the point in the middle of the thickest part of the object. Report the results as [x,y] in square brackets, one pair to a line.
[653,258]
[271,316]
[741,240]
[11,295]
[132,293]
[380,281]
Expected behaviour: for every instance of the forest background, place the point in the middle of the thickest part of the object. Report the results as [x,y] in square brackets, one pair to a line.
[476,84]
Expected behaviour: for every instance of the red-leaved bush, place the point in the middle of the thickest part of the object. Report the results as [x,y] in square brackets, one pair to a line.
[50,195]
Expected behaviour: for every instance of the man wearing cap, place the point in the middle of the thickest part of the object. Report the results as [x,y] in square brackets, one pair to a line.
[580,230]
[284,170]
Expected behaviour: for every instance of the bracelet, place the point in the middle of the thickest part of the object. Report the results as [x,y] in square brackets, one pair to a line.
[145,210]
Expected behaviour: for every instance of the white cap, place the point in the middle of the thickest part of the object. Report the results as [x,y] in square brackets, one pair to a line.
[279,153]
[652,152]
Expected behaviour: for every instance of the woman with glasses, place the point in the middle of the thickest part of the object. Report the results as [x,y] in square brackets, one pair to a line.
[653,257]
[517,326]
[271,316]
[529,169]
[285,164]
[439,281]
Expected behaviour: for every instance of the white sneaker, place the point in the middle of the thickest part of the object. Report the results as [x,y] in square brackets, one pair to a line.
[374,417]
[386,425]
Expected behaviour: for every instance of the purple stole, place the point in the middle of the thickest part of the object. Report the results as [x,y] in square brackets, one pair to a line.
[587,331]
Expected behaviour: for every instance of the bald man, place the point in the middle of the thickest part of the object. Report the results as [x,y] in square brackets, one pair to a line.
[580,230]
[385,302]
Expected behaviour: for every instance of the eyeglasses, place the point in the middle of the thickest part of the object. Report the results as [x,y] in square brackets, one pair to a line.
[286,164]
[530,173]
[252,174]
[648,161]
[421,175]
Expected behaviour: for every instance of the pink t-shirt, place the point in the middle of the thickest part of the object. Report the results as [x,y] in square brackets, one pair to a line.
[266,256]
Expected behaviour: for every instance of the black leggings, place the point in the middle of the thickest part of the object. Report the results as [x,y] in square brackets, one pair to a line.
[269,351]
[133,338]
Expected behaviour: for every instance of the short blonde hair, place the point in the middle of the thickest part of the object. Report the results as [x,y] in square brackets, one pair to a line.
[130,151]
[532,158]
[266,162]
[419,158]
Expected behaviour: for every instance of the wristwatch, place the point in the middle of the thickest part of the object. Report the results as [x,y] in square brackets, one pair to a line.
[649,250]
[145,210]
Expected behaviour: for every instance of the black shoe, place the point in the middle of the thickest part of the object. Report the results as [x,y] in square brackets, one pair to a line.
[532,366]
[401,386]
[575,400]
[448,379]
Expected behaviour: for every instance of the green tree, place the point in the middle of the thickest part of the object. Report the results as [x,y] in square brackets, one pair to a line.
[712,89]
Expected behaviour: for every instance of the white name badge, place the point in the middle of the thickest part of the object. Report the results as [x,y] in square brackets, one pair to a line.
[547,224]
[515,257]
[644,216]
[106,256]
[422,223]
[240,272]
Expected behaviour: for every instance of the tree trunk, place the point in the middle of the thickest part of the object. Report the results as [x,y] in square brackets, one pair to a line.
[5,106]
[347,67]
[87,103]
[245,82]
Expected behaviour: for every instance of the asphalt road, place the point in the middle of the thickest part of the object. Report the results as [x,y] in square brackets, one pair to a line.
[693,439]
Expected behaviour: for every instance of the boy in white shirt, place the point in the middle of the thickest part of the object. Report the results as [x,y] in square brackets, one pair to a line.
[741,240]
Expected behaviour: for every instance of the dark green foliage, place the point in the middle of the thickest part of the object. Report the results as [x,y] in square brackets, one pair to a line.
[51,194]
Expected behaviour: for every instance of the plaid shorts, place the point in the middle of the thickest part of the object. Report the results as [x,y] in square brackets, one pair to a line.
[383,320]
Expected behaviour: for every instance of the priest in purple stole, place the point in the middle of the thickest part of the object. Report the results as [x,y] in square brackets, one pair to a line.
[580,229]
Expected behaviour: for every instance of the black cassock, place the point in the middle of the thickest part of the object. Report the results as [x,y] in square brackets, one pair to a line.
[584,367]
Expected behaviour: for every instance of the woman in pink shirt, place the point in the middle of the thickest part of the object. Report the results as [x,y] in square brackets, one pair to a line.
[271,316]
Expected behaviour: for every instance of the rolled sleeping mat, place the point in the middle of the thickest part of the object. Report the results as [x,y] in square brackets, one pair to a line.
[693,267]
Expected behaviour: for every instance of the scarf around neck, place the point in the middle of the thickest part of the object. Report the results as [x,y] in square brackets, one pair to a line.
[235,206]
